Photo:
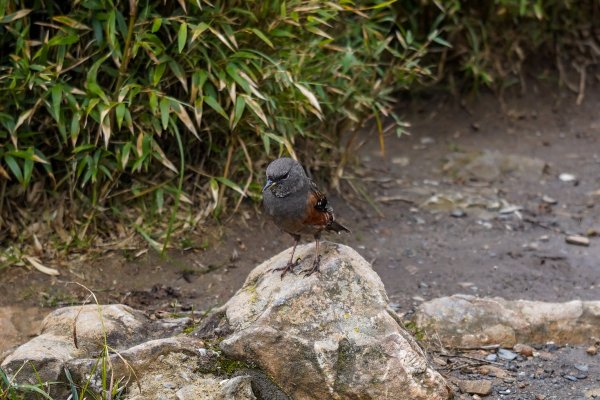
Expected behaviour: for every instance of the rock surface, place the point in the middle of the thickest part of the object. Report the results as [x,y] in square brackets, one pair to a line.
[72,335]
[16,325]
[330,335]
[468,321]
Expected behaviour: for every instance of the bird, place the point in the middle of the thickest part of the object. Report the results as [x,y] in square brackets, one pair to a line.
[294,203]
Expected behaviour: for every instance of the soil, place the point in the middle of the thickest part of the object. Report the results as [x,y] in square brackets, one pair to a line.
[492,236]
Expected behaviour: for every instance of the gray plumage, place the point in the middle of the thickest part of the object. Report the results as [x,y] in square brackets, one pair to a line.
[293,202]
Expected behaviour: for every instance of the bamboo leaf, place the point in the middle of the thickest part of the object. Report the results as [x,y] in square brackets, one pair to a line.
[120,114]
[14,167]
[165,108]
[240,105]
[255,107]
[187,121]
[262,37]
[310,96]
[212,103]
[37,264]
[231,185]
[182,36]
[15,16]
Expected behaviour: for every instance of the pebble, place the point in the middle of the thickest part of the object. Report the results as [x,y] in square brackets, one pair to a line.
[571,378]
[458,213]
[577,240]
[507,354]
[582,367]
[504,391]
[491,357]
[401,161]
[523,349]
[564,177]
[480,387]
[549,200]
[592,350]
[427,140]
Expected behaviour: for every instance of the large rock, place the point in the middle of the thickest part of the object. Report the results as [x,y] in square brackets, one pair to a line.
[79,332]
[468,321]
[330,335]
[17,324]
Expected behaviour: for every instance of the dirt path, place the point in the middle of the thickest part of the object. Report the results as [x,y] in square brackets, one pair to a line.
[492,222]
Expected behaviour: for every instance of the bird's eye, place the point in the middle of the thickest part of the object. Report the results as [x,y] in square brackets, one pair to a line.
[286,175]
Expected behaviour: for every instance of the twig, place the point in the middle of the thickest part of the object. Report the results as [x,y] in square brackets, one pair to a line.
[470,358]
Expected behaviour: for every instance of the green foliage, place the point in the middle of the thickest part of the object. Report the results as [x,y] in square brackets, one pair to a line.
[174,104]
[97,92]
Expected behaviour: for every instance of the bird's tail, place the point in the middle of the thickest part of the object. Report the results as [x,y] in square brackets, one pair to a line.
[337,227]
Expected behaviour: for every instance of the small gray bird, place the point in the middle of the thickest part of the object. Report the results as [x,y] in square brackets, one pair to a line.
[291,199]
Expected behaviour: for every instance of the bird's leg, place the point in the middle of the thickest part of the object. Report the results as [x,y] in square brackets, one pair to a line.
[291,264]
[317,262]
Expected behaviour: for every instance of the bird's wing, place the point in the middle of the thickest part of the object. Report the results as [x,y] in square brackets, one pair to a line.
[318,210]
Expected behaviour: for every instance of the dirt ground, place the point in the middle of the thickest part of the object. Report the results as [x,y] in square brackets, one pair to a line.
[472,202]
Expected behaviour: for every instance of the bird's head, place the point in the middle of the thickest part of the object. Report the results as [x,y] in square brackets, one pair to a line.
[284,176]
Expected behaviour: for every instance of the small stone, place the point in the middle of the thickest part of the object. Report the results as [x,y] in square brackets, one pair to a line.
[571,378]
[551,346]
[549,200]
[480,387]
[458,213]
[427,140]
[592,350]
[491,357]
[577,240]
[510,209]
[582,367]
[564,177]
[506,354]
[592,393]
[540,397]
[401,161]
[523,349]
[504,391]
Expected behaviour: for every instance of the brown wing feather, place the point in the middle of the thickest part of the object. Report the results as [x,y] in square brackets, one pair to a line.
[318,213]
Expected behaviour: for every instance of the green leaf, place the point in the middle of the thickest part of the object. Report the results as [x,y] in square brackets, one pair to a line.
[380,5]
[158,72]
[262,37]
[120,113]
[27,171]
[441,41]
[61,39]
[14,167]
[231,185]
[179,74]
[232,71]
[182,36]
[156,24]
[215,106]
[160,199]
[240,105]
[15,16]
[56,93]
[165,108]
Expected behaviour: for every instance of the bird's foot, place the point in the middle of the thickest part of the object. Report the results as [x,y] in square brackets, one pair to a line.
[315,267]
[289,267]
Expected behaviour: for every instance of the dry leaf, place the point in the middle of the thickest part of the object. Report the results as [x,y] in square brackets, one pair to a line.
[35,262]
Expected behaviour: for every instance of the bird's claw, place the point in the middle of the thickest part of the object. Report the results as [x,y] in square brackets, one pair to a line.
[315,267]
[289,267]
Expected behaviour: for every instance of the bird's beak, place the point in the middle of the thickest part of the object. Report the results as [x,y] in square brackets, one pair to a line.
[269,184]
